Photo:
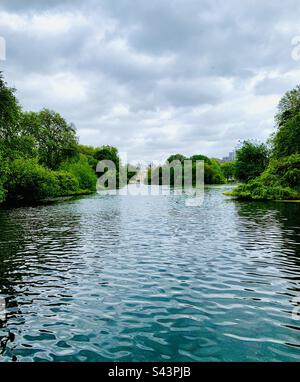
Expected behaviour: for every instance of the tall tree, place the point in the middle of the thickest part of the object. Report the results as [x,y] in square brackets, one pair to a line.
[289,106]
[229,170]
[286,141]
[108,153]
[177,157]
[252,160]
[55,139]
[10,112]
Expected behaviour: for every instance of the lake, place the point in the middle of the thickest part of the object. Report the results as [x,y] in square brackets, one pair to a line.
[137,278]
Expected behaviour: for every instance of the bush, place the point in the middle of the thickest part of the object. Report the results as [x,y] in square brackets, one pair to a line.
[89,152]
[68,183]
[256,190]
[213,173]
[280,181]
[82,171]
[29,181]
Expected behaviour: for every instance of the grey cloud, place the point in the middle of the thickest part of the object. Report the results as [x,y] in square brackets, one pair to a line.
[139,72]
[37,5]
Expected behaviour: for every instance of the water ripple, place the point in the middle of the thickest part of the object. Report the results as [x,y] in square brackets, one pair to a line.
[149,279]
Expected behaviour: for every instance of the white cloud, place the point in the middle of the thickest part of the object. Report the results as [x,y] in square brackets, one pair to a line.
[55,89]
[154,78]
[42,24]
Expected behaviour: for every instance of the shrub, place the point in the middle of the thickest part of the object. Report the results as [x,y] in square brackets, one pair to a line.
[256,190]
[68,183]
[280,181]
[89,152]
[213,173]
[29,181]
[82,171]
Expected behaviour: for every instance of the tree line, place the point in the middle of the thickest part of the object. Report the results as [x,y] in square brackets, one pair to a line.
[40,156]
[264,171]
[177,164]
[271,171]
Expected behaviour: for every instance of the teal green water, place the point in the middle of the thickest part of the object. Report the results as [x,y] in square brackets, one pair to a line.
[119,278]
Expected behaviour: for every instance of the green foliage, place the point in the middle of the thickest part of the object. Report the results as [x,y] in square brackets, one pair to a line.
[229,170]
[131,172]
[10,112]
[256,190]
[90,153]
[287,139]
[40,157]
[2,192]
[34,145]
[176,157]
[82,171]
[30,181]
[54,138]
[199,157]
[213,173]
[87,150]
[281,180]
[68,184]
[108,153]
[289,106]
[3,175]
[252,160]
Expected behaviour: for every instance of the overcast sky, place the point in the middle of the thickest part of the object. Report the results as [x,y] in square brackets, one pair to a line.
[154,77]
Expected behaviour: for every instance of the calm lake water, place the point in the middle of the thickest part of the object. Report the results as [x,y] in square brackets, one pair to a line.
[119,278]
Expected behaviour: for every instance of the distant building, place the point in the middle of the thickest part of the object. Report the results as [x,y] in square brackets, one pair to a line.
[230,157]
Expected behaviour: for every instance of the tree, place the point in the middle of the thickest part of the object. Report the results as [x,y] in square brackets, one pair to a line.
[213,173]
[199,157]
[289,106]
[229,170]
[252,160]
[108,153]
[281,179]
[55,139]
[176,157]
[286,141]
[10,112]
[89,152]
[33,146]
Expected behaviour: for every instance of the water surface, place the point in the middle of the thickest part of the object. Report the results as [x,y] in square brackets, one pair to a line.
[119,278]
